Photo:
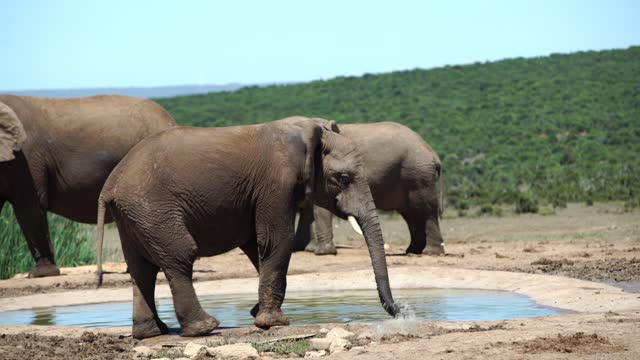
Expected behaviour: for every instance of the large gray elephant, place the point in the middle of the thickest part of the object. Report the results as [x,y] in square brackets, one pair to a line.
[401,169]
[190,192]
[55,155]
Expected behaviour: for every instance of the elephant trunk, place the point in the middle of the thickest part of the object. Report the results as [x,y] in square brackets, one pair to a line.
[373,236]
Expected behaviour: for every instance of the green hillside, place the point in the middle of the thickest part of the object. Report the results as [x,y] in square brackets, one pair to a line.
[557,128]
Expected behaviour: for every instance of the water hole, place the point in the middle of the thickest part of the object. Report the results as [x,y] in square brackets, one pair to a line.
[303,308]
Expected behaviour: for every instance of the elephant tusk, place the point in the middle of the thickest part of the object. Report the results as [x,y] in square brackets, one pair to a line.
[354,224]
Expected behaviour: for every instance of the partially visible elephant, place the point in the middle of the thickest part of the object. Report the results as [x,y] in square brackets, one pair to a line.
[190,192]
[401,169]
[55,155]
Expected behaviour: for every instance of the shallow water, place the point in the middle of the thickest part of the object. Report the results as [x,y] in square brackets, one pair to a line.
[305,308]
[627,286]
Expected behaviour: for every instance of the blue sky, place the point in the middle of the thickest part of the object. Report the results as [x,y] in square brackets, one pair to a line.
[75,44]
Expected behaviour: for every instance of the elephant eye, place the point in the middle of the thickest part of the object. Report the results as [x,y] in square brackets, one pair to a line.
[345,179]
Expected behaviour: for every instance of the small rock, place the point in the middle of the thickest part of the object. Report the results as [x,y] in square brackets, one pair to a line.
[338,345]
[323,331]
[240,351]
[320,343]
[359,350]
[365,335]
[193,349]
[143,351]
[319,353]
[339,333]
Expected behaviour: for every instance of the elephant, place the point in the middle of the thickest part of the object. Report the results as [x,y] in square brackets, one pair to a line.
[190,192]
[401,169]
[55,155]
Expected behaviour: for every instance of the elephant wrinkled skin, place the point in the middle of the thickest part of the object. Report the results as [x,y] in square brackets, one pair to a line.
[401,169]
[190,192]
[55,155]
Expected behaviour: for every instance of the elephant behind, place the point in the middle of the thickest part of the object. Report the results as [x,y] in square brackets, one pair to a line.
[191,192]
[401,169]
[55,155]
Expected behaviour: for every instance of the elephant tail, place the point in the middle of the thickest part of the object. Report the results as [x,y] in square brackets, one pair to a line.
[100,238]
[441,187]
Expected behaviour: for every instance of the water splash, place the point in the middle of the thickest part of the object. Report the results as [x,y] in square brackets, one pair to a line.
[405,324]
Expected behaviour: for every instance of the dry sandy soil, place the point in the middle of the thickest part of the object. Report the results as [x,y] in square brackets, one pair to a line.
[567,260]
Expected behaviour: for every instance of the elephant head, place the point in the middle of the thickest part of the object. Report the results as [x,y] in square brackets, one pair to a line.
[12,134]
[336,181]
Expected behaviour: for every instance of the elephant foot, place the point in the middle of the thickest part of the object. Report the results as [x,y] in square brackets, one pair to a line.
[326,249]
[434,250]
[200,327]
[415,250]
[42,270]
[254,310]
[268,318]
[149,328]
[299,245]
[311,247]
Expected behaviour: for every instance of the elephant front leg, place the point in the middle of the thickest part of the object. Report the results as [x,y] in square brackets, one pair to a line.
[275,240]
[31,214]
[33,222]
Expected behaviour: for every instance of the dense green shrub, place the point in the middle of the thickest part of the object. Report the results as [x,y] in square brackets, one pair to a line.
[565,126]
[526,203]
[461,204]
[485,209]
[632,204]
[73,244]
[559,203]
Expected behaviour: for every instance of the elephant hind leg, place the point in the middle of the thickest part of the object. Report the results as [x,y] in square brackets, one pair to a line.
[304,231]
[146,322]
[425,234]
[322,233]
[417,229]
[180,253]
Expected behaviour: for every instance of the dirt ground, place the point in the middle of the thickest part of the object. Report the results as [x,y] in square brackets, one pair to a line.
[600,243]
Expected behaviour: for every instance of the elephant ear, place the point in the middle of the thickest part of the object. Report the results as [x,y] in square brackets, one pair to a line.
[313,142]
[334,126]
[329,125]
[12,134]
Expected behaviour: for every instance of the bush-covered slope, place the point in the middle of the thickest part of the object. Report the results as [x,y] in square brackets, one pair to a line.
[562,127]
